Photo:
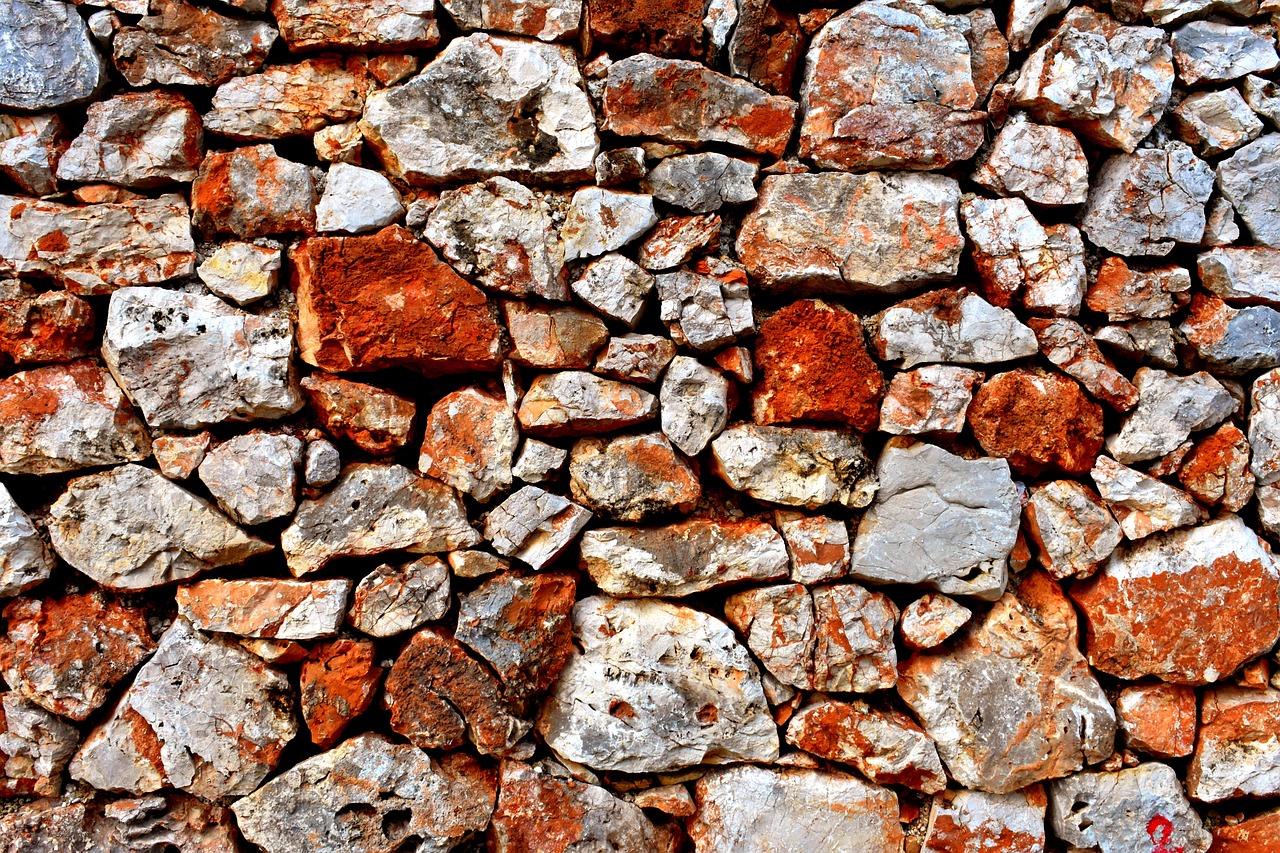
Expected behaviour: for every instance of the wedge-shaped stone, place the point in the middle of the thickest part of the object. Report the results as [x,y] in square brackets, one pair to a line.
[795,466]
[575,403]
[266,607]
[288,100]
[1237,754]
[951,326]
[393,599]
[1242,274]
[469,442]
[535,526]
[1169,409]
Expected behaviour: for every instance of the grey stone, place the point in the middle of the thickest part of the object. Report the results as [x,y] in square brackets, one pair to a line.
[702,183]
[1150,342]
[695,404]
[35,745]
[616,286]
[254,477]
[573,403]
[795,466]
[321,464]
[140,139]
[48,61]
[1242,274]
[393,599]
[1124,811]
[635,358]
[1263,97]
[1250,180]
[538,461]
[356,200]
[1233,341]
[1146,202]
[535,526]
[25,560]
[703,311]
[602,220]
[951,326]
[1215,122]
[1170,408]
[1209,52]
[1040,163]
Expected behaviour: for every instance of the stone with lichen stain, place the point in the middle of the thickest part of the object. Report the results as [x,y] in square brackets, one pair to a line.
[702,182]
[241,272]
[679,101]
[1236,748]
[37,328]
[929,399]
[1158,719]
[1038,421]
[1070,348]
[266,607]
[1147,202]
[1170,408]
[289,100]
[95,248]
[203,715]
[678,239]
[767,44]
[662,27]
[439,696]
[35,747]
[574,403]
[1016,256]
[886,746]
[30,147]
[252,192]
[817,546]
[602,220]
[393,599]
[777,623]
[138,139]
[338,682]
[470,441]
[385,25]
[961,821]
[1157,606]
[179,44]
[370,793]
[1011,701]
[931,620]
[632,477]
[751,809]
[814,366]
[374,419]
[1043,164]
[795,466]
[387,300]
[521,627]
[950,325]
[1071,529]
[147,824]
[680,559]
[553,337]
[535,526]
[1216,472]
[1260,832]
[66,654]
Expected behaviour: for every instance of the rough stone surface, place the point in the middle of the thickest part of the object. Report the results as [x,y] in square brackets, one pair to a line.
[179,44]
[885,746]
[574,403]
[1158,719]
[35,747]
[1242,274]
[1250,180]
[254,477]
[635,358]
[615,286]
[1041,163]
[602,220]
[252,192]
[384,25]
[373,419]
[535,526]
[794,466]
[631,478]
[469,442]
[704,312]
[393,599]
[265,607]
[1147,202]
[818,546]
[1072,531]
[553,337]
[338,681]
[289,100]
[951,326]
[1130,293]
[930,399]
[1217,471]
[1016,256]
[1236,750]
[144,824]
[1131,809]
[241,272]
[25,560]
[50,60]
[356,200]
[702,183]
[695,404]
[973,820]
[1210,52]
[1215,122]
[1169,409]
[1068,346]
[1143,505]
[1232,341]
[931,620]
[138,139]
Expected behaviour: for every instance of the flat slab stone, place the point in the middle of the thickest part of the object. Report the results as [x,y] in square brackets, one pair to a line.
[266,607]
[795,466]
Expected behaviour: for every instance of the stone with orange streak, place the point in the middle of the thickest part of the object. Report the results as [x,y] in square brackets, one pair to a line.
[521,627]
[814,366]
[393,599]
[679,101]
[1123,292]
[1147,202]
[1216,472]
[1017,257]
[635,358]
[673,799]
[252,192]
[777,623]
[1038,162]
[386,25]
[470,441]
[37,328]
[662,27]
[1038,421]
[1011,701]
[179,44]
[1232,341]
[338,682]
[950,325]
[818,546]
[632,477]
[30,146]
[1073,532]
[966,821]
[266,607]
[931,620]
[141,825]
[439,697]
[289,100]
[1260,832]
[573,403]
[553,336]
[1188,606]
[767,45]
[67,654]
[1158,719]
[387,300]
[929,399]
[1215,122]
[1237,754]
[178,455]
[35,747]
[899,84]
[886,746]
[705,312]
[679,239]
[138,139]
[548,20]
[1066,343]
[374,419]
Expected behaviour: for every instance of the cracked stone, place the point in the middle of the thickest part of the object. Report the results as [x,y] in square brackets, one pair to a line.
[338,682]
[1071,529]
[1169,409]
[146,824]
[374,419]
[1236,752]
[702,182]
[1232,341]
[288,100]
[705,312]
[1043,164]
[572,403]
[1158,719]
[930,399]
[1015,255]
[139,139]
[1146,202]
[254,477]
[25,560]
[1250,180]
[1215,122]
[817,546]
[535,526]
[1242,274]
[794,466]
[1068,346]
[50,60]
[391,600]
[30,147]
[1130,293]
[951,326]
[602,220]
[555,337]
[183,45]
[1209,52]
[615,286]
[1127,810]
[469,442]
[679,239]
[1143,505]
[379,26]
[695,404]
[266,607]
[35,747]
[1217,471]
[635,358]
[1038,421]
[538,461]
[251,192]
[632,477]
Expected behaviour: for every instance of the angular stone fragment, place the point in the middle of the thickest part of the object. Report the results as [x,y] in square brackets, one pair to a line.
[178,456]
[1146,202]
[375,508]
[766,45]
[30,147]
[203,715]
[139,139]
[695,404]
[615,286]
[601,220]
[940,520]
[1127,293]
[66,654]
[1066,344]
[1236,751]
[266,607]
[35,747]
[1158,607]
[678,240]
[841,233]
[655,686]
[777,623]
[1264,427]
[952,326]
[632,477]
[25,560]
[1256,833]
[254,477]
[1232,341]
[1043,164]
[1169,409]
[972,820]
[680,559]
[393,599]
[885,746]
[817,546]
[664,27]
[98,247]
[252,192]
[338,681]
[241,272]
[931,620]
[680,101]
[146,824]
[553,336]
[487,106]
[1108,82]
[500,233]
[321,464]
[795,466]
[1011,701]
[385,300]
[549,20]
[535,526]
[436,692]
[130,528]
[288,100]
[1210,52]
[1220,227]
[1146,341]
[635,358]
[1038,421]
[384,25]
[1015,255]
[469,443]
[356,200]
[1143,505]
[155,337]
[339,143]
[538,461]
[702,182]
[1215,122]
[1217,471]
[1143,807]
[1070,527]
[372,794]
[1242,274]
[930,399]
[1250,180]
[574,403]
[704,312]
[183,45]
[1159,719]
[49,59]
[751,809]
[374,419]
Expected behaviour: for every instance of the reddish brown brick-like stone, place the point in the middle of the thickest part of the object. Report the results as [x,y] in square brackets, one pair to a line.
[374,419]
[338,682]
[1038,421]
[1217,471]
[1159,719]
[37,328]
[1254,835]
[664,27]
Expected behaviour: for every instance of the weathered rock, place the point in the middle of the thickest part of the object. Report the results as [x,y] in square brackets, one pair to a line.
[602,220]
[1217,471]
[679,239]
[374,508]
[898,84]
[615,286]
[931,620]
[500,233]
[1146,341]
[30,147]
[252,192]
[553,336]
[702,182]
[880,232]
[940,520]
[203,715]
[752,809]
[1250,180]
[66,654]
[1215,122]
[931,399]
[885,746]
[794,466]
[1232,341]
[635,358]
[385,25]
[1256,833]
[676,100]
[288,100]
[695,404]
[704,312]
[1143,505]
[574,403]
[1220,226]
[154,337]
[632,477]
[35,747]
[487,106]
[339,143]
[1264,427]
[817,546]
[241,272]
[1015,255]
[1108,82]
[130,528]
[655,686]
[549,20]
[1146,202]
[1126,293]
[266,607]
[370,793]
[469,442]
[1169,409]
[321,463]
[183,45]
[974,820]
[139,139]
[1157,607]
[767,44]
[777,623]
[338,681]
[1158,719]
[620,166]
[1242,274]
[254,477]
[436,692]
[178,456]
[1040,163]
[50,60]
[142,825]
[1209,52]
[1236,752]
[356,200]
[374,419]
[1070,527]
[535,526]
[98,247]
[538,461]
[25,560]
[1134,809]
[393,599]
[1069,347]
[387,300]
[1038,421]
[951,326]
[1012,701]
[664,27]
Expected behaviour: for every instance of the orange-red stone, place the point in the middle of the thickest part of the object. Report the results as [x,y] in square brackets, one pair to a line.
[338,682]
[1159,719]
[1038,421]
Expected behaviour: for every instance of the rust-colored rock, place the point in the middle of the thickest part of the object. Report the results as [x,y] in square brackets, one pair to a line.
[1249,836]
[252,192]
[1158,719]
[374,419]
[338,682]
[1236,748]
[470,441]
[663,27]
[553,336]
[42,327]
[1216,472]
[387,300]
[1038,421]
